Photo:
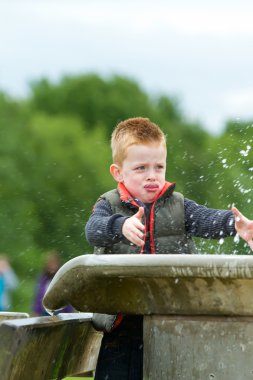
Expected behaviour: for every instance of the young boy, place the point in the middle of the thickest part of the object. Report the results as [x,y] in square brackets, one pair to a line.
[145,215]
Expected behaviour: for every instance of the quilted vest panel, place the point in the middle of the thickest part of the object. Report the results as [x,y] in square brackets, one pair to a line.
[168,227]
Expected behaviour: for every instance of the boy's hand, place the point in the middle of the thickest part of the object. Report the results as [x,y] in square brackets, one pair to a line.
[133,228]
[244,227]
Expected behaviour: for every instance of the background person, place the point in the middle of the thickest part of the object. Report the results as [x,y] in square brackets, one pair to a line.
[53,263]
[8,282]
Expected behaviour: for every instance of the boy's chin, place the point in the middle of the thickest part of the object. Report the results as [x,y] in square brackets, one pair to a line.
[150,198]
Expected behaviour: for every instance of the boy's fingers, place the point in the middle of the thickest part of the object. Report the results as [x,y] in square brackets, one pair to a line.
[250,243]
[138,242]
[139,226]
[138,237]
[135,239]
[138,233]
[132,231]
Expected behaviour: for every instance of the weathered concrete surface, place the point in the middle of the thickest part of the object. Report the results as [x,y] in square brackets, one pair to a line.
[155,284]
[198,348]
[47,348]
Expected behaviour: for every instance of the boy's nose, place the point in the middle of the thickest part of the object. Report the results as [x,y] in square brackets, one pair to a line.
[151,175]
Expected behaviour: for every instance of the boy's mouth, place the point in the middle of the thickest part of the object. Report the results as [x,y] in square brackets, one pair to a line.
[151,187]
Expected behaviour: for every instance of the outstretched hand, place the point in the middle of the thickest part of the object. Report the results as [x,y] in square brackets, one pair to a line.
[133,228]
[244,227]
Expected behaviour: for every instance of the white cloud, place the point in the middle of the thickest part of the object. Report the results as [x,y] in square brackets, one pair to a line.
[209,17]
[195,49]
[238,102]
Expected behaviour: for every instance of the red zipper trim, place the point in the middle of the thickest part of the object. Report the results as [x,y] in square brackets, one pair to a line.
[151,226]
[152,215]
[126,196]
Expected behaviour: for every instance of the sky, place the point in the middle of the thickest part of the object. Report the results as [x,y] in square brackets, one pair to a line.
[197,52]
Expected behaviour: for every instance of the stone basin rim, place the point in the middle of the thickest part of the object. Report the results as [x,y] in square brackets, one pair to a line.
[150,276]
[171,259]
[224,266]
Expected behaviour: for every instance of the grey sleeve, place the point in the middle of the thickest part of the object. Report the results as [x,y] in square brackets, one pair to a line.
[103,227]
[208,223]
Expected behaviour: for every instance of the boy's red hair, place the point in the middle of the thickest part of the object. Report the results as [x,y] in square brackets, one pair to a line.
[136,130]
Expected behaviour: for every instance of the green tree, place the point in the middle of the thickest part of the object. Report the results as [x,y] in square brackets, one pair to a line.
[16,209]
[93,99]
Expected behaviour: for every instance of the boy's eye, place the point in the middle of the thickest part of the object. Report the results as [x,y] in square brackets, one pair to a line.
[140,167]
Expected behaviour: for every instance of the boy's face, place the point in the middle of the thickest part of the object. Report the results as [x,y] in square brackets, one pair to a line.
[142,171]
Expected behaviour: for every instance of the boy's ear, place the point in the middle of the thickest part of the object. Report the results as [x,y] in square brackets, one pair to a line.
[116,172]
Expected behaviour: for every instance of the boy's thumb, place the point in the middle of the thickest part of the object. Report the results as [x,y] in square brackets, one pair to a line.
[237,214]
[140,213]
[235,211]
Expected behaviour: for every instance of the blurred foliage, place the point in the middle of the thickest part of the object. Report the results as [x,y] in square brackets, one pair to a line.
[55,156]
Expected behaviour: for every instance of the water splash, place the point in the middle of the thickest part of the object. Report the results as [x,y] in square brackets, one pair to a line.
[245,153]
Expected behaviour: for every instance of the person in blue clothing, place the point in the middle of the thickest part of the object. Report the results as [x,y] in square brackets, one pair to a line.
[146,215]
[8,282]
[2,290]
